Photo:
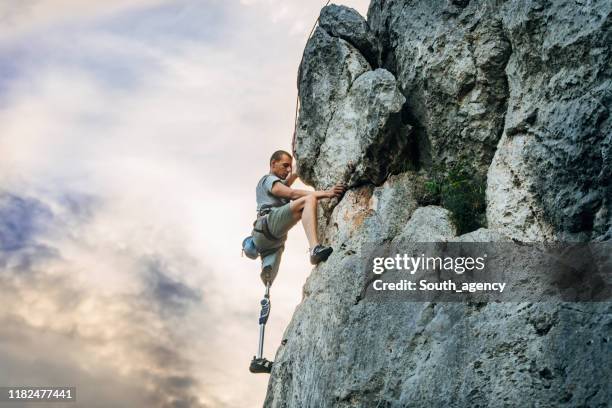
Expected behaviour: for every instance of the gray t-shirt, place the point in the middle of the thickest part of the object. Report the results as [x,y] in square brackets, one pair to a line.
[265,198]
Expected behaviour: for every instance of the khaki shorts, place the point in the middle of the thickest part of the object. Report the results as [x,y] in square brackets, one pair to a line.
[280,221]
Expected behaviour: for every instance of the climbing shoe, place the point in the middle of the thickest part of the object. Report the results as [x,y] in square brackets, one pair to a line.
[260,365]
[320,253]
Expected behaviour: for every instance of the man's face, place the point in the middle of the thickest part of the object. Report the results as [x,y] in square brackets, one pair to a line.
[281,168]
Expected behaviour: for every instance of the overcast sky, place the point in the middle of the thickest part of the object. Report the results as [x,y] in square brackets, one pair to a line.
[132,134]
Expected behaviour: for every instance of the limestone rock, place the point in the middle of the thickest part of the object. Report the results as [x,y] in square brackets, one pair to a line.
[329,67]
[362,122]
[394,203]
[368,215]
[429,224]
[511,207]
[339,352]
[346,23]
[520,89]
[450,64]
[474,71]
[560,81]
[482,235]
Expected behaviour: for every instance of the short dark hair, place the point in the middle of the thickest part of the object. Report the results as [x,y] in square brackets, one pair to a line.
[277,155]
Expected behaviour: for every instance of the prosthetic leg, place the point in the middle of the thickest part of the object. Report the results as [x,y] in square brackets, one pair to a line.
[259,364]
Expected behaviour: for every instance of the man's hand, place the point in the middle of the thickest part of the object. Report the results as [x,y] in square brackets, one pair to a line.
[292,175]
[281,190]
[337,190]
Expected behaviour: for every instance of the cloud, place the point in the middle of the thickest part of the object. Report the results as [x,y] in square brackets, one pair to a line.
[133,134]
[130,320]
[299,15]
[20,220]
[171,294]
[31,356]
[25,17]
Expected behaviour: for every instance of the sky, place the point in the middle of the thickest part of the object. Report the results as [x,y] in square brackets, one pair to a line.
[132,135]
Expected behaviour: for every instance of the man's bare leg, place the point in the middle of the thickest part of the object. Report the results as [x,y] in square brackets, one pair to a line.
[305,208]
[309,221]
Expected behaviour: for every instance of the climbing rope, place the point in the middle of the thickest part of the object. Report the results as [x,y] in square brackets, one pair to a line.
[297,97]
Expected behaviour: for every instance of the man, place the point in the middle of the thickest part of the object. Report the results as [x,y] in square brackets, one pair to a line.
[280,207]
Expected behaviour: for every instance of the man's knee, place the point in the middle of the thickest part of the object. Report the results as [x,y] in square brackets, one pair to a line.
[298,205]
[310,200]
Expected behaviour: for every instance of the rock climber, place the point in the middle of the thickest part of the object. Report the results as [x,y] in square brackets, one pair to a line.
[280,207]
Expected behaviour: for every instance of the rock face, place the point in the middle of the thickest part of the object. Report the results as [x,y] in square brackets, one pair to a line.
[557,140]
[349,126]
[360,132]
[450,64]
[346,23]
[330,66]
[519,89]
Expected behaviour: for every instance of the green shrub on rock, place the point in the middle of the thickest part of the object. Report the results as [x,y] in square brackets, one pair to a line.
[459,189]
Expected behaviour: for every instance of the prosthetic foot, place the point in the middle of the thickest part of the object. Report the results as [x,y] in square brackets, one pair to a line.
[259,364]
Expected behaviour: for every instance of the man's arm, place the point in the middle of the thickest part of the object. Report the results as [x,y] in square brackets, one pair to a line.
[281,190]
[292,177]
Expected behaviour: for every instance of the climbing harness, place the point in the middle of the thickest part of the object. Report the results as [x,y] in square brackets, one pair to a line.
[248,244]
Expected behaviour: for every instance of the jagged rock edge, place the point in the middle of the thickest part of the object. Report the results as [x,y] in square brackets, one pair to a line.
[335,106]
